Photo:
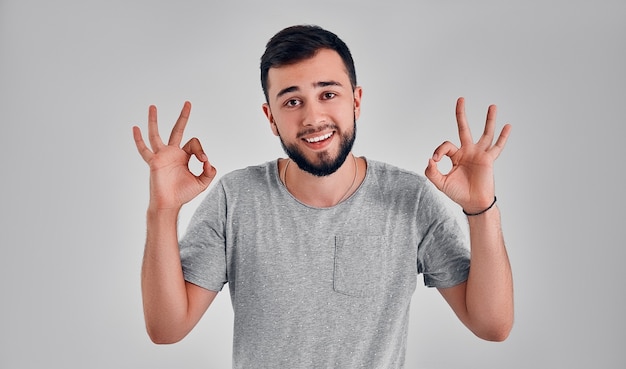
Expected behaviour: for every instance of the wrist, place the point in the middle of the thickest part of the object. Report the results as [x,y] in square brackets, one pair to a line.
[479,211]
[159,211]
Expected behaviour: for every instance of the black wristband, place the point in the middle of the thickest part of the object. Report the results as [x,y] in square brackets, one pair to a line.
[480,212]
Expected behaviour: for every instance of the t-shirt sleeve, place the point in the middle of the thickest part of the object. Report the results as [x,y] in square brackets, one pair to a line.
[443,253]
[203,247]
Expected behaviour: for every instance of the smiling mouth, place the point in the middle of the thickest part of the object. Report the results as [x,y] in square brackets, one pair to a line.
[319,138]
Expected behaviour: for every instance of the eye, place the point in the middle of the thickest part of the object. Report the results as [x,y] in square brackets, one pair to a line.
[292,103]
[328,95]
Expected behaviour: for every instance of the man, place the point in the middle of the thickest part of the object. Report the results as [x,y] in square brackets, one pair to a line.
[321,251]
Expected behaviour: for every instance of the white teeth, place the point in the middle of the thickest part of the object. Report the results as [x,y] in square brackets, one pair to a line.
[320,138]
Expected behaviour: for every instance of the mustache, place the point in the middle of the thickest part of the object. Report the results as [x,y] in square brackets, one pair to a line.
[317,129]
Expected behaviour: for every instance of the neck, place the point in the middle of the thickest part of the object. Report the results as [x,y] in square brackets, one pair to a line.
[323,191]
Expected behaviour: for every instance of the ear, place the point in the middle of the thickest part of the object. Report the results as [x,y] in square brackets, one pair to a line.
[358,92]
[268,114]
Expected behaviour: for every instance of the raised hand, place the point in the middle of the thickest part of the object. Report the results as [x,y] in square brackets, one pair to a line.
[470,182]
[172,183]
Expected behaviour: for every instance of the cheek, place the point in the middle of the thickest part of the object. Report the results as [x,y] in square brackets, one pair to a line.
[348,116]
[346,111]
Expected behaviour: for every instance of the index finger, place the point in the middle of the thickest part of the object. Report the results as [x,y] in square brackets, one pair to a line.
[179,128]
[465,135]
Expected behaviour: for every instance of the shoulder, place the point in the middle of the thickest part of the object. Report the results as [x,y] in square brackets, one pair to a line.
[255,180]
[390,175]
[410,192]
[396,185]
[260,172]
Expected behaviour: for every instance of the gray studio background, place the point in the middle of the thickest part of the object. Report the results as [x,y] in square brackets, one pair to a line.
[76,75]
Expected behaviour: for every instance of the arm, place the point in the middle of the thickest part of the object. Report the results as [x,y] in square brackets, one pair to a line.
[484,303]
[172,306]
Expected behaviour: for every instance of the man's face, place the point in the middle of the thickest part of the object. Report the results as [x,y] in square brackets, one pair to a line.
[313,109]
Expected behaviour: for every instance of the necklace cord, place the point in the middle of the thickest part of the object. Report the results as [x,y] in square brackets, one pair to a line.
[345,195]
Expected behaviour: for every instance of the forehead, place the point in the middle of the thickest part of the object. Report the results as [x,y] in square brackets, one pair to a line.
[325,65]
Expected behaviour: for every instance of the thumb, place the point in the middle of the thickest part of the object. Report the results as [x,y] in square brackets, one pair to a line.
[434,175]
[208,173]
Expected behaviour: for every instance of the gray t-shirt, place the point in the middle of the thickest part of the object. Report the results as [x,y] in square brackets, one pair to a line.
[322,287]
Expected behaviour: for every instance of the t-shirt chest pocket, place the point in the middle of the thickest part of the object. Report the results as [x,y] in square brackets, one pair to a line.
[360,265]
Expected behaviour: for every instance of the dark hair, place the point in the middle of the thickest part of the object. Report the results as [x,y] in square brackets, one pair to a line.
[297,43]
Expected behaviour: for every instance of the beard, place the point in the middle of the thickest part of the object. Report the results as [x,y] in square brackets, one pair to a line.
[326,164]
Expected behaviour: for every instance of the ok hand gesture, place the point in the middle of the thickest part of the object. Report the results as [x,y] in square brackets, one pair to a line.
[172,183]
[470,182]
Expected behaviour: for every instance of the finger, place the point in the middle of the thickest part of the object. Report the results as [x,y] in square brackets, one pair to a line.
[490,124]
[144,151]
[179,128]
[434,175]
[208,173]
[465,135]
[445,149]
[501,141]
[193,147]
[153,129]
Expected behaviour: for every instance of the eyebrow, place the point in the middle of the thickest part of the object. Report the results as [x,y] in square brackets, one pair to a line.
[316,84]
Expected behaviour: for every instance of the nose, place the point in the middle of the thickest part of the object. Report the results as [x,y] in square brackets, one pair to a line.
[314,114]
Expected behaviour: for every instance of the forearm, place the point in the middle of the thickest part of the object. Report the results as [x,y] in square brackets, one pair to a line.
[489,293]
[163,286]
